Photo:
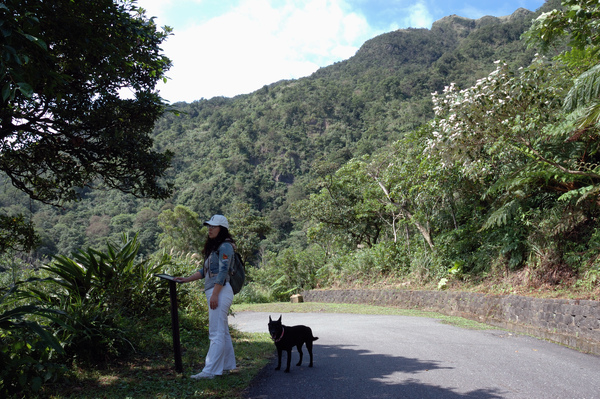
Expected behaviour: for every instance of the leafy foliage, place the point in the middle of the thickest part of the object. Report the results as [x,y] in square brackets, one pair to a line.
[357,174]
[16,233]
[358,163]
[65,124]
[91,303]
[28,351]
[182,230]
[115,279]
[266,149]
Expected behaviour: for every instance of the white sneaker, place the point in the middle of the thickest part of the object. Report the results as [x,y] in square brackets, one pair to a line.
[202,375]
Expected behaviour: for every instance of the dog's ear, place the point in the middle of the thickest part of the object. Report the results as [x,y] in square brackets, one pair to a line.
[279,318]
[270,319]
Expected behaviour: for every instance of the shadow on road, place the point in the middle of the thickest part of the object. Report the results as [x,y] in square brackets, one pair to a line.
[350,372]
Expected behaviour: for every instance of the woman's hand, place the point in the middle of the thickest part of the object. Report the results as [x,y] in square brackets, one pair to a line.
[214,298]
[214,301]
[193,277]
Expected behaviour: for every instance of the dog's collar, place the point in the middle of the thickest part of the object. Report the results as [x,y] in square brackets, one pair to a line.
[279,339]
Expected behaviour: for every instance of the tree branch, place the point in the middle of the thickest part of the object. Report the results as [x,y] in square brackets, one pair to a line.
[422,229]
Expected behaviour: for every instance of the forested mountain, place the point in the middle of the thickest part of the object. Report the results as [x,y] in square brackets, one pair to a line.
[256,147]
[257,154]
[263,148]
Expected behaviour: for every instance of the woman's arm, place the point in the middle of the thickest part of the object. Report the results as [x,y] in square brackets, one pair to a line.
[214,298]
[193,277]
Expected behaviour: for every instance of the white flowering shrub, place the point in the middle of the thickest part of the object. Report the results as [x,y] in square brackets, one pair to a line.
[498,123]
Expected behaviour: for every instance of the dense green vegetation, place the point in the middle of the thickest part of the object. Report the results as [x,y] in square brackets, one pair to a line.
[64,126]
[266,149]
[300,167]
[467,153]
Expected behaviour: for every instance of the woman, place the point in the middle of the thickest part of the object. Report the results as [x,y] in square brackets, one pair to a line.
[218,252]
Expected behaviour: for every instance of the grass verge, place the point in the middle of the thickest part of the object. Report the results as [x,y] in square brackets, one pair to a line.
[152,375]
[315,307]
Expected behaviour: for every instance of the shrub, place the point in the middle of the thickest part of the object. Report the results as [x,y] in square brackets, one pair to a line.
[101,295]
[283,274]
[27,348]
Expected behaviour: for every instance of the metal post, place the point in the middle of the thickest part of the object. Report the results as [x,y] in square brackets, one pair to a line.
[175,324]
[174,320]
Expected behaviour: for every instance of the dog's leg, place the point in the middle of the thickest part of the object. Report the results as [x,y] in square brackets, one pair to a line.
[278,359]
[289,359]
[309,346]
[299,346]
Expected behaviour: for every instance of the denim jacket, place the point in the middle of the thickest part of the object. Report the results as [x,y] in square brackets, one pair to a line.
[217,265]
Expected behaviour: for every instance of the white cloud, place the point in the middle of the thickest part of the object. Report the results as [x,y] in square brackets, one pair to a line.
[256,43]
[419,16]
[229,47]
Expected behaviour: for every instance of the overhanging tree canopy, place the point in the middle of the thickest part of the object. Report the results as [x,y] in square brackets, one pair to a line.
[65,123]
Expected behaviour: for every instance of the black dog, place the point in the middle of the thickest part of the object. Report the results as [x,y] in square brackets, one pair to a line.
[286,337]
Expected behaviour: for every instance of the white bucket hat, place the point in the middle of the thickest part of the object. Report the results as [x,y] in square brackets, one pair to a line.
[217,220]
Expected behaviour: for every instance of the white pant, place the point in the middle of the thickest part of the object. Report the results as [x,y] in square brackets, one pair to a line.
[220,354]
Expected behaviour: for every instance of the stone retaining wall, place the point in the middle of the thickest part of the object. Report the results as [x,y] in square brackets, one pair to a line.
[575,323]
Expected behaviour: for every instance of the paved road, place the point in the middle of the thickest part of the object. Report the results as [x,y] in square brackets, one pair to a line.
[371,356]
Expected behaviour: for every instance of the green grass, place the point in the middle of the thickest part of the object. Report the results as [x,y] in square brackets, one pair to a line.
[315,307]
[151,374]
[154,376]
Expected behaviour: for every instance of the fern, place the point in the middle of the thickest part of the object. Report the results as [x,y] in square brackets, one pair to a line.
[585,90]
[580,194]
[591,116]
[501,215]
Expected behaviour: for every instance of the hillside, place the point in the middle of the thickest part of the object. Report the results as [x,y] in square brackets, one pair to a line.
[266,148]
[268,144]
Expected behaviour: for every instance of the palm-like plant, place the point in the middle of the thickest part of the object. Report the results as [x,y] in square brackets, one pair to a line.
[99,293]
[575,24]
[585,97]
[26,345]
[114,278]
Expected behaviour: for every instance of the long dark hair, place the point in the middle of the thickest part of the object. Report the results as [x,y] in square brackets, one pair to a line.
[213,244]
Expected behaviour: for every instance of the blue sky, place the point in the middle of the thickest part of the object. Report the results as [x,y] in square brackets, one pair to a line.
[231,47]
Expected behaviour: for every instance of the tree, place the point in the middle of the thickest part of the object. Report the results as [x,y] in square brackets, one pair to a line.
[341,214]
[248,229]
[497,124]
[576,23]
[397,174]
[523,127]
[530,137]
[182,230]
[65,122]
